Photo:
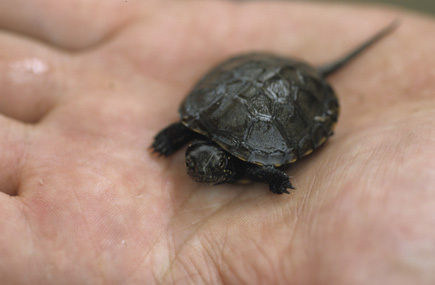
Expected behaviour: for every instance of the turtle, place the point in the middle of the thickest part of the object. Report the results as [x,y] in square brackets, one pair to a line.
[254,113]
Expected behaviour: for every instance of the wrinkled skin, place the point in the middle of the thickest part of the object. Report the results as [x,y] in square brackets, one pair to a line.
[85,85]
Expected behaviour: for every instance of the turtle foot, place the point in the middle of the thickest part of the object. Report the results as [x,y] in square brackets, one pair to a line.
[280,187]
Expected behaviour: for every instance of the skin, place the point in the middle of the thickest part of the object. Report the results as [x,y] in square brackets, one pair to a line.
[84,87]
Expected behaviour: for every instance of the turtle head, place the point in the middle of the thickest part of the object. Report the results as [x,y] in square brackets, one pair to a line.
[208,163]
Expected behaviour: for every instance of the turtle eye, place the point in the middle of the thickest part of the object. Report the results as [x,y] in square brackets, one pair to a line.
[189,163]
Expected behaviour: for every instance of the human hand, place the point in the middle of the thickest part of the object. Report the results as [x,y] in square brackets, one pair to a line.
[85,86]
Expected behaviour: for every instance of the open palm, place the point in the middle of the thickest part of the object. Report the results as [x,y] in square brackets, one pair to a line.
[85,86]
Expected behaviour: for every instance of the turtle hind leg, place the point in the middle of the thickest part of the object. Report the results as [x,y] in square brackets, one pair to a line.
[278,181]
[172,138]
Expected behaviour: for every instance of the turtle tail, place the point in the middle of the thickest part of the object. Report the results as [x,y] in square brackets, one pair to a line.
[330,68]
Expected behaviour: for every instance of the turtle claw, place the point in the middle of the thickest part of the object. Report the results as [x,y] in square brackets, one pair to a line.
[171,139]
[281,187]
[161,148]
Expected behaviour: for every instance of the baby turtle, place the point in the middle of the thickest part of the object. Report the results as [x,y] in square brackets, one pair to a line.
[254,113]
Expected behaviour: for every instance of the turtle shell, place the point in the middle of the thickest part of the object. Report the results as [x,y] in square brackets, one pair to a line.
[262,108]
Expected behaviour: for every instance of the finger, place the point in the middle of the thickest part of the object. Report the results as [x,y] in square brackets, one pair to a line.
[13,146]
[70,24]
[31,78]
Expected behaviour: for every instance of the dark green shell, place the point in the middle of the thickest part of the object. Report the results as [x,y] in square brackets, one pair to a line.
[262,108]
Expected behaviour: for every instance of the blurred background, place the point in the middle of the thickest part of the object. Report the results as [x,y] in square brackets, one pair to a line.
[425,6]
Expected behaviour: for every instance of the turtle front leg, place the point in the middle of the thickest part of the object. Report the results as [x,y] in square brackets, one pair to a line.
[172,138]
[278,181]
